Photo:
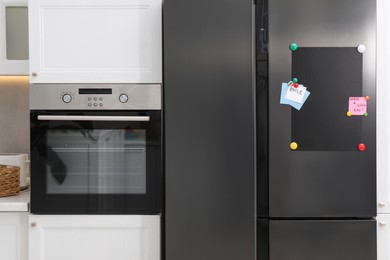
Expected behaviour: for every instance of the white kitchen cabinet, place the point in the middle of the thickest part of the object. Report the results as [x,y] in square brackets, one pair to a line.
[383,188]
[95,41]
[13,235]
[97,237]
[383,109]
[383,236]
[13,37]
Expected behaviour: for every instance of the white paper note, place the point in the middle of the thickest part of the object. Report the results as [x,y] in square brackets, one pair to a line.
[296,94]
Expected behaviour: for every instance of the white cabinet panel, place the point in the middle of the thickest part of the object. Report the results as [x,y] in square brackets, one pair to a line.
[94,237]
[383,234]
[95,41]
[383,108]
[13,37]
[13,236]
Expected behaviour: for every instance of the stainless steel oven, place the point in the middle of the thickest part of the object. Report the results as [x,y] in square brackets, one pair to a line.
[96,149]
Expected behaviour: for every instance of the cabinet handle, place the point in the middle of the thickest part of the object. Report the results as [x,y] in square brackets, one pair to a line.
[382,224]
[34,74]
[381,204]
[33,224]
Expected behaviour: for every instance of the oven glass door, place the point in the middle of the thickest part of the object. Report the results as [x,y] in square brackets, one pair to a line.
[106,162]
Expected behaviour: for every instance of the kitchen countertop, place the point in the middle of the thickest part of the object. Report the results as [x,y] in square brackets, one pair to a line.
[18,202]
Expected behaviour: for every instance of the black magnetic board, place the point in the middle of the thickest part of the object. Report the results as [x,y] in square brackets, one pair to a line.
[331,75]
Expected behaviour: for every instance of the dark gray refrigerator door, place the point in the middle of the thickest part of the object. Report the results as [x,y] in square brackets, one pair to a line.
[322,240]
[209,130]
[326,176]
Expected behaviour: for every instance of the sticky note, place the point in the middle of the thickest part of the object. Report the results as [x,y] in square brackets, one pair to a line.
[357,106]
[296,94]
[285,101]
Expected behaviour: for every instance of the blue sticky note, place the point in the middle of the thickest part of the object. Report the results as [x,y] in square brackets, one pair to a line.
[294,104]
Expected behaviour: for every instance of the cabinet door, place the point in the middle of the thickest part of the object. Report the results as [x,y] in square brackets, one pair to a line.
[13,37]
[13,236]
[59,237]
[383,234]
[95,41]
[383,141]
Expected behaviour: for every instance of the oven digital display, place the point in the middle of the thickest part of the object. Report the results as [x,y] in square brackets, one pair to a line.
[95,91]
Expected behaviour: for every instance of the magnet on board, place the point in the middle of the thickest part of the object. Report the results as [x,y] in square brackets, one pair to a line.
[295,80]
[293,146]
[349,113]
[367,97]
[296,85]
[361,48]
[293,46]
[361,147]
[365,114]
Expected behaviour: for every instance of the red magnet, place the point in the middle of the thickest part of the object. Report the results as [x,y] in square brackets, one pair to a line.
[296,85]
[361,147]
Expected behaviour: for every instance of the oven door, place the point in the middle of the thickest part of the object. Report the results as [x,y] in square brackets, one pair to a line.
[96,162]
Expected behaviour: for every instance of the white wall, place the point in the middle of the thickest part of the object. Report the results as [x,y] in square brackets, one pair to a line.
[14,114]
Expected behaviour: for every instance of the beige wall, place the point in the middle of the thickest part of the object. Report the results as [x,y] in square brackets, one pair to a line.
[14,114]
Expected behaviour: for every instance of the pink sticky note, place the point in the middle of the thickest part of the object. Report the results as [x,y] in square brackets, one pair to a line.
[357,106]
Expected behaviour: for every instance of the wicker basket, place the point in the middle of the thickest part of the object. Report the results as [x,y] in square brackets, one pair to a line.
[9,180]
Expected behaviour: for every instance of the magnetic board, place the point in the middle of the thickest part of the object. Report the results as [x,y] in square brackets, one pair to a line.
[332,75]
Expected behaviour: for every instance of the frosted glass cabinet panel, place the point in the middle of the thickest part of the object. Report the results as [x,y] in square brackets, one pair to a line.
[95,41]
[14,37]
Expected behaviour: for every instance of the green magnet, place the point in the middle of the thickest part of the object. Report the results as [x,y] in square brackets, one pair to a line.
[365,114]
[295,80]
[293,46]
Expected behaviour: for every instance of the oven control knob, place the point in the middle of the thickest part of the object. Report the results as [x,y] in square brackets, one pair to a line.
[66,98]
[123,98]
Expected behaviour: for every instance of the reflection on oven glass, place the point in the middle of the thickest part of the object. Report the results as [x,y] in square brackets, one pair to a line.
[96,162]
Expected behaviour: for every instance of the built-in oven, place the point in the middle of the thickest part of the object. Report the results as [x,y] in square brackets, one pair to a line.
[96,149]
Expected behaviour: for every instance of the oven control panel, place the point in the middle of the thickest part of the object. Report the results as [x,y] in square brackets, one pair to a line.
[93,96]
[95,100]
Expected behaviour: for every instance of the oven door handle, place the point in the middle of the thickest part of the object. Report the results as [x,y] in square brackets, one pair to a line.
[93,118]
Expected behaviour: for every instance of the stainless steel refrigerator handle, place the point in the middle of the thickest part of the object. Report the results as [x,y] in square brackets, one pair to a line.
[93,118]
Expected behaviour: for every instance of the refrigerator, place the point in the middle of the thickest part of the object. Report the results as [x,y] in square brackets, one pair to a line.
[316,129]
[247,175]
